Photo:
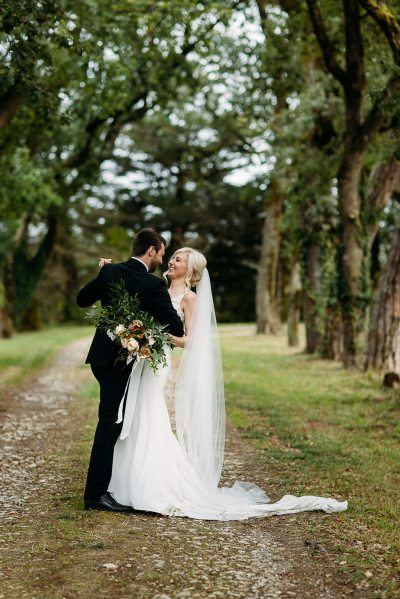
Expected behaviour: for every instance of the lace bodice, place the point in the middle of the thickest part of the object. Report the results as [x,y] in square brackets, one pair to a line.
[176,302]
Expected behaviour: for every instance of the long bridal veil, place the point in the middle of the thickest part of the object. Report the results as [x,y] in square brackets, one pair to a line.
[200,428]
[199,392]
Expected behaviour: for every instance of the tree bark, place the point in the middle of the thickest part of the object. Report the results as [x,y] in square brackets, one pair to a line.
[6,328]
[64,255]
[26,271]
[356,240]
[266,312]
[294,306]
[375,267]
[6,324]
[388,22]
[351,254]
[360,131]
[384,179]
[310,298]
[332,341]
[383,350]
[281,294]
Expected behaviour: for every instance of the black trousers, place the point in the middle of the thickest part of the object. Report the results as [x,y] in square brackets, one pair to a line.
[112,383]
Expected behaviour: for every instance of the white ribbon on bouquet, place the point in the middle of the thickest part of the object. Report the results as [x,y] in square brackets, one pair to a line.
[129,399]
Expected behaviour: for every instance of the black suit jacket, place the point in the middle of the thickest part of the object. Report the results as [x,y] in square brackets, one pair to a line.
[153,297]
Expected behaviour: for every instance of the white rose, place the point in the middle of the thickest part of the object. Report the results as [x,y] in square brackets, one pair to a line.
[124,342]
[133,345]
[111,334]
[119,329]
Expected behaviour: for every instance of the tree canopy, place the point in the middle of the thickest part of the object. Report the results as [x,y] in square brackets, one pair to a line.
[265,133]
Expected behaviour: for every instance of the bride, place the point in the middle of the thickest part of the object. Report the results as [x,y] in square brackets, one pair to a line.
[156,471]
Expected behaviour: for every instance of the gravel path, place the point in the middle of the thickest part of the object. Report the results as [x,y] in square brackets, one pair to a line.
[30,417]
[158,558]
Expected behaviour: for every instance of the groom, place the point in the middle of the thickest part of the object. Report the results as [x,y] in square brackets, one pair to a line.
[148,252]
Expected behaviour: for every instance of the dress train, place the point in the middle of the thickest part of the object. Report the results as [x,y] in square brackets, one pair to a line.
[152,473]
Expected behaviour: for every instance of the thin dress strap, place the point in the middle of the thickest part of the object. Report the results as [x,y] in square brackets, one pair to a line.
[179,297]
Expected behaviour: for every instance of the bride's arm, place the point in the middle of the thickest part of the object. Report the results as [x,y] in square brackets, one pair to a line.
[103,261]
[188,306]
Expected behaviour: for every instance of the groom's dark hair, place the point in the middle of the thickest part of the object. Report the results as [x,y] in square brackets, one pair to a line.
[145,239]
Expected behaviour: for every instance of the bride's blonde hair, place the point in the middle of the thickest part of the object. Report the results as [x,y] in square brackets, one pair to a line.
[196,264]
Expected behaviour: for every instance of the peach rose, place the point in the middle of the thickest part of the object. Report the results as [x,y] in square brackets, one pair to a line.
[135,324]
[145,352]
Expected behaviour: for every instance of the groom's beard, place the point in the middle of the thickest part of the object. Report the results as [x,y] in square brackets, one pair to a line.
[153,266]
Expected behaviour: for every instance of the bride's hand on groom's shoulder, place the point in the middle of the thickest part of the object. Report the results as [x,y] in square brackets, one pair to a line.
[103,261]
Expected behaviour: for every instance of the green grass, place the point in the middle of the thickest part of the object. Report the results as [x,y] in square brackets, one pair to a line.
[25,353]
[326,431]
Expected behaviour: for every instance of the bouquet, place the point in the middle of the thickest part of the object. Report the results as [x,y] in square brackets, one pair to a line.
[138,335]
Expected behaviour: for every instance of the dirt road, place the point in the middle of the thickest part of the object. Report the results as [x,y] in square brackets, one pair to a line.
[51,548]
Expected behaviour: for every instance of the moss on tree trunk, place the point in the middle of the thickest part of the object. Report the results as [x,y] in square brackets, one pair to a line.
[266,309]
[383,352]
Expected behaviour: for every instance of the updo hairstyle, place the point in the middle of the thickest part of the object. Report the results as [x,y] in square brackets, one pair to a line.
[196,264]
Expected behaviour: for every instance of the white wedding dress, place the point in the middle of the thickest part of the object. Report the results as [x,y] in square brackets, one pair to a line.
[151,470]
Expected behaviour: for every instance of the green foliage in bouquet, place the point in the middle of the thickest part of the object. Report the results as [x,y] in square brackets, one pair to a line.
[136,332]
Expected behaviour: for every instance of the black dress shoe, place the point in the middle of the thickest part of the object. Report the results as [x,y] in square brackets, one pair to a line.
[108,503]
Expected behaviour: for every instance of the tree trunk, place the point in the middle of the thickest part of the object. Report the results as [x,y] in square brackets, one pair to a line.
[384,180]
[294,306]
[383,350]
[31,319]
[26,272]
[331,347]
[6,328]
[70,269]
[6,322]
[375,266]
[311,292]
[332,341]
[351,255]
[356,240]
[266,313]
[281,295]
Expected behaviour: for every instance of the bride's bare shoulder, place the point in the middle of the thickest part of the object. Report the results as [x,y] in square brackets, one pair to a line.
[189,299]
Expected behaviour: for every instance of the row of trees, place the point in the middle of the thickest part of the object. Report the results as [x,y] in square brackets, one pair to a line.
[263,132]
[346,177]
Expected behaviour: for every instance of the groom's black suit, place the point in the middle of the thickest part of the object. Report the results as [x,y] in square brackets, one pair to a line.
[154,299]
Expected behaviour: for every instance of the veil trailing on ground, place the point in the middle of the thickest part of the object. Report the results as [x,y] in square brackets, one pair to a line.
[199,391]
